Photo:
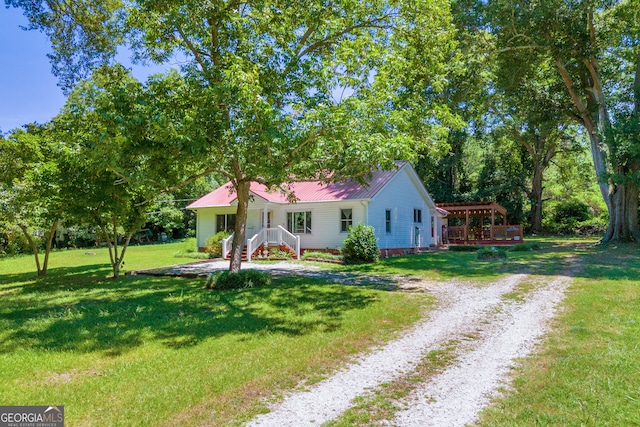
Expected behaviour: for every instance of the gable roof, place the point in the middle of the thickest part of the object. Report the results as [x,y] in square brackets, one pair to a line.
[307,191]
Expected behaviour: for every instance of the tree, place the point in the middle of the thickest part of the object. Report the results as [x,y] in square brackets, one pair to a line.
[260,83]
[112,167]
[594,47]
[30,187]
[531,111]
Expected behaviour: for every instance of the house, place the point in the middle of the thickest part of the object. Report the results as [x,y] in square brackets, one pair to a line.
[394,202]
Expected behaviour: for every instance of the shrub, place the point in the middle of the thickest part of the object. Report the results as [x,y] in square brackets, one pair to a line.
[463,248]
[491,252]
[524,247]
[568,217]
[243,279]
[277,253]
[361,245]
[321,255]
[213,245]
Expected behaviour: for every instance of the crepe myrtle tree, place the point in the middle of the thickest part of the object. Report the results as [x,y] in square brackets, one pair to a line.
[113,169]
[274,91]
[30,178]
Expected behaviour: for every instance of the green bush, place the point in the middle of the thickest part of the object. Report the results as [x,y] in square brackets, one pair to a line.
[524,247]
[241,280]
[361,245]
[568,217]
[463,248]
[491,252]
[277,253]
[213,245]
[13,242]
[321,255]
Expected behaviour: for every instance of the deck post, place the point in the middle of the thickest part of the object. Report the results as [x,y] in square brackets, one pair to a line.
[466,225]
[493,221]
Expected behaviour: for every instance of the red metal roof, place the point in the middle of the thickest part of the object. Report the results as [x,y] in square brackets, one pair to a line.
[308,191]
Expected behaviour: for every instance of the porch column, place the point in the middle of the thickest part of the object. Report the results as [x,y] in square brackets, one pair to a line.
[265,217]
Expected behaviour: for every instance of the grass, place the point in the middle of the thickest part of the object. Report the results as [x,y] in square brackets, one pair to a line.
[165,351]
[588,372]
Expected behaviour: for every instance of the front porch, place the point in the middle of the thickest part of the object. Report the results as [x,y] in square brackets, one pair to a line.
[266,237]
[475,224]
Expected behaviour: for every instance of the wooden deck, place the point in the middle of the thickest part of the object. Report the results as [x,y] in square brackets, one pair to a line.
[487,235]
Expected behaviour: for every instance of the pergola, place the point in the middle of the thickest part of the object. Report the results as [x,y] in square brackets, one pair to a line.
[480,210]
[482,233]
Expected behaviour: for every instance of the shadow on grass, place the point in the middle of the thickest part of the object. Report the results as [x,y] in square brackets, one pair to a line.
[117,316]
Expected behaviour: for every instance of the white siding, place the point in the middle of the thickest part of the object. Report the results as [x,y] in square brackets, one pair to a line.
[206,222]
[401,196]
[325,222]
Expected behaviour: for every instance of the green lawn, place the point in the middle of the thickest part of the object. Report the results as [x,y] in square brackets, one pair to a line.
[588,372]
[165,351]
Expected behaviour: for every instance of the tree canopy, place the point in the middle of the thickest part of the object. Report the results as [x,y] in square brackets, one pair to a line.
[274,91]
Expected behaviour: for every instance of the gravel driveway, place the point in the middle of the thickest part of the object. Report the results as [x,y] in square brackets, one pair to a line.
[506,319]
[506,322]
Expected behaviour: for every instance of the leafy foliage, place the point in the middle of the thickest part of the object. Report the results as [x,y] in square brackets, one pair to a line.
[361,245]
[524,247]
[491,252]
[321,256]
[31,197]
[257,99]
[213,244]
[242,279]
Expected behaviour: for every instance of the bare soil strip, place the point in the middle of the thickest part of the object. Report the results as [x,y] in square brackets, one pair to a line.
[464,308]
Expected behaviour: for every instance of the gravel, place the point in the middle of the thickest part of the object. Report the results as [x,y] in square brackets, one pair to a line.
[507,329]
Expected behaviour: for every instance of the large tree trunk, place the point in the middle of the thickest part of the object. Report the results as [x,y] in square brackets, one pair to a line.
[240,233]
[621,198]
[535,196]
[623,214]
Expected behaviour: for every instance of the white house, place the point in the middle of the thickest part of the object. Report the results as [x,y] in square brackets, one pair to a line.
[395,203]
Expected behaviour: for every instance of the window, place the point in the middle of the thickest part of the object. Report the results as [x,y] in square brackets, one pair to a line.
[346,219]
[225,222]
[417,215]
[299,222]
[387,221]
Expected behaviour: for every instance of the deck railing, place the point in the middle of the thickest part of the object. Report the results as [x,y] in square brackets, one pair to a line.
[487,234]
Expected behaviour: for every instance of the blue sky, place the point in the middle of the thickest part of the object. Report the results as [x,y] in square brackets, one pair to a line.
[28,90]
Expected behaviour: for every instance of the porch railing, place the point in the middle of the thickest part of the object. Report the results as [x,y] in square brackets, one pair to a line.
[254,242]
[290,240]
[226,245]
[275,236]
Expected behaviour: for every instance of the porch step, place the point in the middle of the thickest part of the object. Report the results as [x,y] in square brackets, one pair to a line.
[259,250]
[244,253]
